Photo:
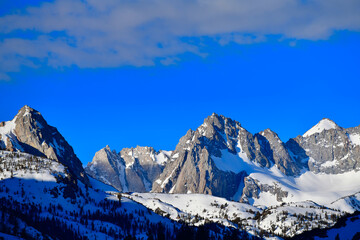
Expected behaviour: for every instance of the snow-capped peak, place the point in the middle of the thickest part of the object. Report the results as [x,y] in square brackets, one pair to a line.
[324,124]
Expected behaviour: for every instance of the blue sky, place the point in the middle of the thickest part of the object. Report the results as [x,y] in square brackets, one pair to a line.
[113,73]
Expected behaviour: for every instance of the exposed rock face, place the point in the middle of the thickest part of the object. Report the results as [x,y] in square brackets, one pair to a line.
[132,169]
[108,167]
[29,132]
[251,190]
[277,152]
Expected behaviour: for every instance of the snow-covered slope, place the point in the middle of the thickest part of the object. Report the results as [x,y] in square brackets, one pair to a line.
[39,199]
[285,220]
[96,184]
[196,208]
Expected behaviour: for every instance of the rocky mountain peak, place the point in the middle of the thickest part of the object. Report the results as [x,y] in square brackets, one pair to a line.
[217,132]
[27,110]
[267,132]
[192,168]
[29,132]
[30,116]
[219,122]
[327,148]
[104,154]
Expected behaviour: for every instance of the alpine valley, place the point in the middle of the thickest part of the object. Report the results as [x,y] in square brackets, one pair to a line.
[220,182]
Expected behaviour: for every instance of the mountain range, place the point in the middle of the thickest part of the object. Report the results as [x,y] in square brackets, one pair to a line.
[220,173]
[222,158]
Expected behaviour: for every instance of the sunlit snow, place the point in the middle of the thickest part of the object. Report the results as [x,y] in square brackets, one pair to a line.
[324,124]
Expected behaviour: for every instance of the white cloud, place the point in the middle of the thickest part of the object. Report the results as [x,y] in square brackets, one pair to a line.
[111,33]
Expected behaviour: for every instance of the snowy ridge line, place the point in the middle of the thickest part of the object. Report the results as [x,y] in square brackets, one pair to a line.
[350,203]
[351,195]
[167,205]
[174,212]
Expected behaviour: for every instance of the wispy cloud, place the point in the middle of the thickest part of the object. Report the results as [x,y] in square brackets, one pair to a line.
[111,33]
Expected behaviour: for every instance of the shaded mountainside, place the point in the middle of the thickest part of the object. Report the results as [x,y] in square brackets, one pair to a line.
[29,132]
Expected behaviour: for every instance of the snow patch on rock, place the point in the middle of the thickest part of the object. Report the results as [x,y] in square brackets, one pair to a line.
[355,139]
[234,162]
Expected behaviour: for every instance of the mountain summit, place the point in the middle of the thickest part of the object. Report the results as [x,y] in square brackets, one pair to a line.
[29,132]
[324,124]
